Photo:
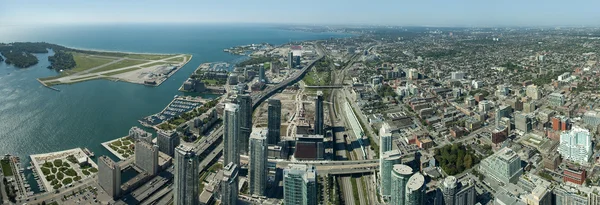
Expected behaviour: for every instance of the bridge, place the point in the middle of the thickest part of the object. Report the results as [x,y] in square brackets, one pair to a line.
[324,86]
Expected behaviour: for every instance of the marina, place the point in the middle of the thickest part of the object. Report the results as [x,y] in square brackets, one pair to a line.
[179,105]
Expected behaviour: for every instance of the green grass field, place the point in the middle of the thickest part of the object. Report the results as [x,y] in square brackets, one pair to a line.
[6,168]
[120,64]
[85,61]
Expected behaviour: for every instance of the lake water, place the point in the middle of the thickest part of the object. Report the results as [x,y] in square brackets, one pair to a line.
[34,119]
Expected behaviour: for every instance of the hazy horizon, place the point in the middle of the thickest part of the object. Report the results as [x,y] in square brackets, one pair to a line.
[435,13]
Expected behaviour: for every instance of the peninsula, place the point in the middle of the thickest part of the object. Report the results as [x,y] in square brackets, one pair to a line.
[76,65]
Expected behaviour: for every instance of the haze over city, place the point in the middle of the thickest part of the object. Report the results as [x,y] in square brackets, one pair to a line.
[338,12]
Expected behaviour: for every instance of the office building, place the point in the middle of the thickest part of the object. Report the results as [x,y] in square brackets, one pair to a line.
[146,157]
[516,104]
[560,123]
[458,75]
[274,121]
[502,111]
[533,92]
[413,74]
[297,61]
[109,176]
[591,118]
[231,133]
[415,190]
[523,122]
[290,60]
[503,166]
[136,133]
[245,112]
[576,145]
[556,99]
[470,101]
[167,141]
[574,175]
[385,138]
[261,73]
[529,106]
[485,106]
[400,175]
[309,147]
[257,171]
[229,184]
[458,193]
[386,164]
[319,115]
[186,181]
[300,184]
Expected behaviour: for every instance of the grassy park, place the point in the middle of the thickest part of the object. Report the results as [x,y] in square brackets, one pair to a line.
[61,173]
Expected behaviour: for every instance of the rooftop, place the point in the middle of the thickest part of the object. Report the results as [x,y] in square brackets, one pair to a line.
[415,182]
[402,169]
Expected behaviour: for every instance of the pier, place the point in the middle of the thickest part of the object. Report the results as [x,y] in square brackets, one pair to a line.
[49,87]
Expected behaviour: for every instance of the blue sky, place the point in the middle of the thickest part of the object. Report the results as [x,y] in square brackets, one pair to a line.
[381,12]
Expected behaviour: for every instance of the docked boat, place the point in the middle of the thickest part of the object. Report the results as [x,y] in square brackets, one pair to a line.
[88,152]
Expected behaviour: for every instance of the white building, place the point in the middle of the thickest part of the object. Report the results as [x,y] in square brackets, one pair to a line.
[146,156]
[485,106]
[576,145]
[503,166]
[257,171]
[533,92]
[385,138]
[459,75]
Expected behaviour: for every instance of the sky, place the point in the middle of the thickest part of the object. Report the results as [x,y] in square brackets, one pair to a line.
[309,12]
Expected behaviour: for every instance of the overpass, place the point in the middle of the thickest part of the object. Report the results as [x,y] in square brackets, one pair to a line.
[347,169]
[260,97]
[324,86]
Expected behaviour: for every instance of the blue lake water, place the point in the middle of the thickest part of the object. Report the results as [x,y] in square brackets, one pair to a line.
[34,119]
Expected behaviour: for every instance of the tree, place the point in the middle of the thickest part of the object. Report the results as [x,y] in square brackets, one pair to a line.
[468,161]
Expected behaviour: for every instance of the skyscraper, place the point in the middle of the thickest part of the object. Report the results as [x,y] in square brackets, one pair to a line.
[319,118]
[261,73]
[385,138]
[257,170]
[231,118]
[245,108]
[386,164]
[186,182]
[274,121]
[167,141]
[290,60]
[576,145]
[109,176]
[300,184]
[400,175]
[456,193]
[229,184]
[415,190]
[146,156]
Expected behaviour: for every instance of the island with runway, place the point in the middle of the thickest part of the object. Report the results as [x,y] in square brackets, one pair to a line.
[77,65]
